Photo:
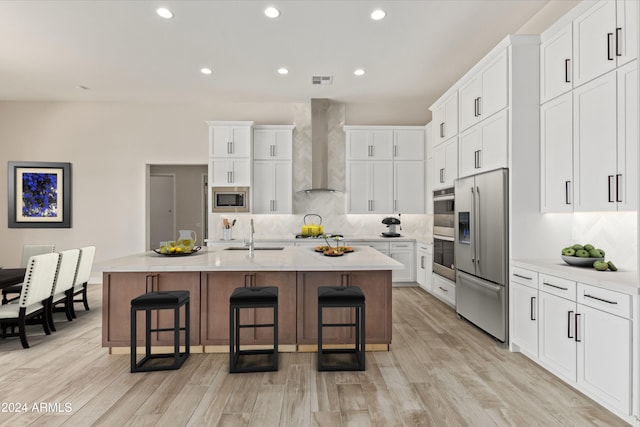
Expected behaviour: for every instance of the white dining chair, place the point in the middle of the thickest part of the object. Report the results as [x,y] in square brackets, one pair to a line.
[36,290]
[27,252]
[63,285]
[82,277]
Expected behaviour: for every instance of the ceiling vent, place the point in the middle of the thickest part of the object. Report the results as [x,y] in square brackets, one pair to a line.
[322,80]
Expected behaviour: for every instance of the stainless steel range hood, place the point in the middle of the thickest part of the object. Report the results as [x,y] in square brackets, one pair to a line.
[319,147]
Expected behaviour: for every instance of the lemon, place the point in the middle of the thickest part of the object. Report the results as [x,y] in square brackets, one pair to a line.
[178,249]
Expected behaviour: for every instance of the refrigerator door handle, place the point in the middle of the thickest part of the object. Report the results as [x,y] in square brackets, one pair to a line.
[494,288]
[477,222]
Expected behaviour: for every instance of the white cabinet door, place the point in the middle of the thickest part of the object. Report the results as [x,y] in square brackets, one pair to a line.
[445,164]
[230,141]
[409,144]
[469,93]
[495,83]
[369,144]
[408,259]
[604,357]
[524,330]
[594,132]
[445,119]
[381,187]
[627,177]
[594,34]
[272,144]
[409,191]
[231,172]
[369,187]
[556,141]
[626,31]
[272,187]
[486,93]
[556,335]
[424,262]
[555,64]
[484,146]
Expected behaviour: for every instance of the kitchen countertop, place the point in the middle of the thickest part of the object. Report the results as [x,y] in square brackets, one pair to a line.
[290,258]
[292,239]
[621,280]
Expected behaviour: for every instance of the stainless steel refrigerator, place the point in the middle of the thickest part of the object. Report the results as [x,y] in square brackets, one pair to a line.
[481,250]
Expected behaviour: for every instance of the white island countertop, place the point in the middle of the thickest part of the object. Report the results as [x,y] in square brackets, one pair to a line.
[290,258]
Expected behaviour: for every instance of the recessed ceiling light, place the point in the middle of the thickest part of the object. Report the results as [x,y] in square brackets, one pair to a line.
[205,70]
[272,12]
[165,13]
[283,71]
[378,14]
[359,72]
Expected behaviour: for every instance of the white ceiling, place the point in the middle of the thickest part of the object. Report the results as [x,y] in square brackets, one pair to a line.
[123,51]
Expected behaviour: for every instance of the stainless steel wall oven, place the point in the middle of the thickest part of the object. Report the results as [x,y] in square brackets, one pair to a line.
[443,233]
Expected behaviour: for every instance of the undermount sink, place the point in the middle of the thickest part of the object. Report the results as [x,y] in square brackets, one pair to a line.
[245,248]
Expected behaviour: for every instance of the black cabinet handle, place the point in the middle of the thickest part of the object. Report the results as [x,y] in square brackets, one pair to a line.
[569,325]
[609,187]
[567,63]
[577,323]
[522,277]
[618,40]
[609,50]
[618,184]
[442,130]
[600,299]
[533,301]
[567,192]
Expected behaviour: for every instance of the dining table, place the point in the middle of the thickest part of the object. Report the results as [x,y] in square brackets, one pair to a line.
[11,276]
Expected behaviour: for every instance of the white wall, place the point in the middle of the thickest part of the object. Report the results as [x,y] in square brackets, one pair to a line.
[109,146]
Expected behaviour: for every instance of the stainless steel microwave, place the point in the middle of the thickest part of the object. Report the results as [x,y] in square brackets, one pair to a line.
[230,199]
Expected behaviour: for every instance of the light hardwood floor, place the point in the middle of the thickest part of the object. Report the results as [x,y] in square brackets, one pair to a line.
[440,372]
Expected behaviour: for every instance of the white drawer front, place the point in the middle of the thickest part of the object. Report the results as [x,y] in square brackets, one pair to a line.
[604,299]
[555,285]
[402,246]
[379,246]
[524,277]
[444,289]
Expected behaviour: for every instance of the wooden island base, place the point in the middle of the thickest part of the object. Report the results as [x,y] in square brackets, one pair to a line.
[209,319]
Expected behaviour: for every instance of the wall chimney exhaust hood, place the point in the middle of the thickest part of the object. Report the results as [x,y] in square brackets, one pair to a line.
[319,147]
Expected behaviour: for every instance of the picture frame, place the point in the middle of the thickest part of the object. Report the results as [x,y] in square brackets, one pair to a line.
[39,194]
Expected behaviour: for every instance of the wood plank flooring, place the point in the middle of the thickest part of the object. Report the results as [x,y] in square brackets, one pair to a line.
[440,372]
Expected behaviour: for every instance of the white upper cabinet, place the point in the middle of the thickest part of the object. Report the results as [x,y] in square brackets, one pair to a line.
[367,144]
[445,164]
[556,59]
[230,140]
[595,157]
[628,138]
[445,119]
[485,93]
[230,172]
[271,142]
[556,144]
[385,169]
[484,147]
[272,187]
[604,37]
[409,187]
[409,144]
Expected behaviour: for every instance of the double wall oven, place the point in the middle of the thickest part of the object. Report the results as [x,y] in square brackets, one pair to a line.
[443,233]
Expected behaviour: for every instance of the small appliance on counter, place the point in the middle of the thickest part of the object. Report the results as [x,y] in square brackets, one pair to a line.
[391,222]
[313,229]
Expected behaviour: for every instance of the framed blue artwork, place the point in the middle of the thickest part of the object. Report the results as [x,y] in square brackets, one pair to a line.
[39,195]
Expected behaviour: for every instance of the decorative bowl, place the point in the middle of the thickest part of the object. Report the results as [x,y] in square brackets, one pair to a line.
[193,251]
[580,261]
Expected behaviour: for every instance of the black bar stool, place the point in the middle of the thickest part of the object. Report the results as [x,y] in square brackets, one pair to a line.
[252,297]
[342,296]
[170,300]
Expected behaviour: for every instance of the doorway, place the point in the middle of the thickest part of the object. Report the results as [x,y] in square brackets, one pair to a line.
[162,201]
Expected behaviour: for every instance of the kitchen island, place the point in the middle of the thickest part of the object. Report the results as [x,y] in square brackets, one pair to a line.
[213,273]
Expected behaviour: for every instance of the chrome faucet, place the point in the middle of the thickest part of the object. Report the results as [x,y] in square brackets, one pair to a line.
[251,243]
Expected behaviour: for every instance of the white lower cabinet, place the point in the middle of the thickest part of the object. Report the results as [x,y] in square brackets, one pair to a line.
[584,335]
[404,253]
[524,322]
[424,263]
